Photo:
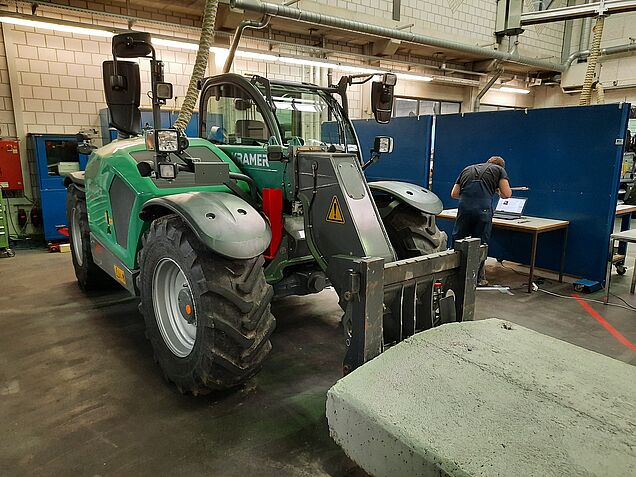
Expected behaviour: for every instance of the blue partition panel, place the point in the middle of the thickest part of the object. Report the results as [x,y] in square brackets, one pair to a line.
[410,159]
[570,159]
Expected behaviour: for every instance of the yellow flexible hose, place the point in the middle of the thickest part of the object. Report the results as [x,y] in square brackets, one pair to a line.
[200,65]
[592,61]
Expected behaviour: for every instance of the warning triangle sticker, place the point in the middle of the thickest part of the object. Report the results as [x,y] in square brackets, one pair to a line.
[335,212]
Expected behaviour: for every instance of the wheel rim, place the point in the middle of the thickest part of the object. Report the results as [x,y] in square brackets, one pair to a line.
[174,307]
[76,236]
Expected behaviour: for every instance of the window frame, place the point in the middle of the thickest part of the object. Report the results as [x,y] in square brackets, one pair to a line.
[436,108]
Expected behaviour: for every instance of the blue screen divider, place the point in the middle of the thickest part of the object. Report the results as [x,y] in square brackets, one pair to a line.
[570,158]
[410,159]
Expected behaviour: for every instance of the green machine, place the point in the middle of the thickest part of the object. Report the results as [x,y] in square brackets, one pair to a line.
[270,200]
[4,227]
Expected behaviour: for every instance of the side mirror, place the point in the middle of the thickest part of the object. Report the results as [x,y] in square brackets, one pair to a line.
[382,145]
[382,98]
[123,93]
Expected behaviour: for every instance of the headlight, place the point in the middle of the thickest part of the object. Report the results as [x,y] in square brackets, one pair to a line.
[383,145]
[167,171]
[167,140]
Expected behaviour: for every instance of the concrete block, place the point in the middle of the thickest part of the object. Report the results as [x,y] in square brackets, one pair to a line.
[487,398]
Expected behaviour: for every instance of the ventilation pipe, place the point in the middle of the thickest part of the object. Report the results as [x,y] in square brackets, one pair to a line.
[314,18]
[600,93]
[201,63]
[486,88]
[592,62]
[244,25]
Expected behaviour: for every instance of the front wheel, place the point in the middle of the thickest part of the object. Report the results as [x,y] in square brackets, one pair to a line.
[413,233]
[207,317]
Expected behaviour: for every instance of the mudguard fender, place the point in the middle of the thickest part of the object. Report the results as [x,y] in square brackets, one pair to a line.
[416,196]
[76,178]
[223,222]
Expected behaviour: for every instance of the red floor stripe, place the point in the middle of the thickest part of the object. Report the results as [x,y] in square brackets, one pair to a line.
[603,322]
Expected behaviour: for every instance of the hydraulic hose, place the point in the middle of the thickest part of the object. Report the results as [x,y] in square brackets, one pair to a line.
[200,65]
[592,61]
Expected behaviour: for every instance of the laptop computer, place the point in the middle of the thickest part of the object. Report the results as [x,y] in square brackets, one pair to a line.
[510,209]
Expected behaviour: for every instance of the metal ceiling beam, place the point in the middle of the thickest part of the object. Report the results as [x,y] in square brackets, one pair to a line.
[315,18]
[606,7]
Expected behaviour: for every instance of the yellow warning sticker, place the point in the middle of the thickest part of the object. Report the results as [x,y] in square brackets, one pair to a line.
[120,275]
[335,212]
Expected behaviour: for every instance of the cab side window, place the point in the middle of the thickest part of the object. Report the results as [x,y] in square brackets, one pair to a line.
[232,117]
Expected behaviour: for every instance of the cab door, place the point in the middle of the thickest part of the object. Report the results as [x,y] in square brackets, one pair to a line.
[235,120]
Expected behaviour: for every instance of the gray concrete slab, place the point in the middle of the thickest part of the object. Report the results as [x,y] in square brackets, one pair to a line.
[487,398]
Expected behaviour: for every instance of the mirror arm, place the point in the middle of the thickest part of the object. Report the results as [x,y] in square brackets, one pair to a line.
[375,157]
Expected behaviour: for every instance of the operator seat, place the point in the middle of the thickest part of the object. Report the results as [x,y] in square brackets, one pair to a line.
[251,128]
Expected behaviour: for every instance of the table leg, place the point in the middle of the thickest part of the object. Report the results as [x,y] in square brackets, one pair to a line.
[626,220]
[608,276]
[563,253]
[533,258]
[631,289]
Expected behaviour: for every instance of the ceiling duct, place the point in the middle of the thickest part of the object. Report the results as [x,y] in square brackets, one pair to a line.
[314,18]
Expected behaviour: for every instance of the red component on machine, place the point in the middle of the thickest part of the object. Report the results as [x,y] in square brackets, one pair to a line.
[273,210]
[10,168]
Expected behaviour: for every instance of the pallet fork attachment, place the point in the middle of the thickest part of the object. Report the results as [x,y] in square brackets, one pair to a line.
[375,293]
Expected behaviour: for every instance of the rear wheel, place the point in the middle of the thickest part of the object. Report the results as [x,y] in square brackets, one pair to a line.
[89,275]
[208,317]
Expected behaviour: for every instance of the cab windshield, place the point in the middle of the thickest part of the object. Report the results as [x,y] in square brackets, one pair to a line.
[311,118]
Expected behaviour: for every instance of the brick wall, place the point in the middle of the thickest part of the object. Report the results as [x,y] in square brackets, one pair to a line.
[7,120]
[470,21]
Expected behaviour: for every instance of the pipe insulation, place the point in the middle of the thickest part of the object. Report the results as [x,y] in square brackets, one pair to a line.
[592,62]
[282,11]
[200,64]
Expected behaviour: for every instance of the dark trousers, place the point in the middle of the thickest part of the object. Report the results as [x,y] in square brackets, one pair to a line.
[476,223]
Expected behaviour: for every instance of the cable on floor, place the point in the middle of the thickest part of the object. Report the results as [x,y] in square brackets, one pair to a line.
[621,299]
[628,307]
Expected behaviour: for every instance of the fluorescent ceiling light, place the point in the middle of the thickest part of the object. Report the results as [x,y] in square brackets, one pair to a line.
[221,53]
[175,44]
[411,77]
[508,89]
[56,26]
[457,81]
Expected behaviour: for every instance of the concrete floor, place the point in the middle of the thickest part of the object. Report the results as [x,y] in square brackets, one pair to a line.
[80,394]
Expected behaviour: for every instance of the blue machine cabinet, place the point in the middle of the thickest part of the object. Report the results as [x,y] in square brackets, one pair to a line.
[168,118]
[55,155]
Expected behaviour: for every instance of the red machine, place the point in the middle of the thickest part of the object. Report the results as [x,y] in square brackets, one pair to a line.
[10,168]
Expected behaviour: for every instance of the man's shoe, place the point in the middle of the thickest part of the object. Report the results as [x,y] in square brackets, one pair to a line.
[482,283]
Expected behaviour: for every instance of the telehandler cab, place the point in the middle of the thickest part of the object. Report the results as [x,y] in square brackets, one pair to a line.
[269,201]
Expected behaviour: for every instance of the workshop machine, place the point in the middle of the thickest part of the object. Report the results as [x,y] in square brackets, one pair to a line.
[270,200]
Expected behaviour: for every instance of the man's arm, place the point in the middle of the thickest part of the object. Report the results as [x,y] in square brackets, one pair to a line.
[505,192]
[455,191]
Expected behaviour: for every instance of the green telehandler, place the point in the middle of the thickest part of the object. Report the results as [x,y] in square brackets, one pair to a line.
[270,201]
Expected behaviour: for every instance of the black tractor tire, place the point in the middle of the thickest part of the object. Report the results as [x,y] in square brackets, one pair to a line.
[231,303]
[89,276]
[413,233]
